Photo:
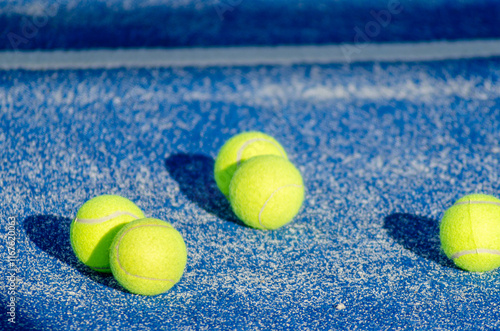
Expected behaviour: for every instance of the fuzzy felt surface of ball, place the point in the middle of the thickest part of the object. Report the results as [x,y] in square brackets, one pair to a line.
[148,256]
[470,233]
[240,148]
[95,225]
[266,192]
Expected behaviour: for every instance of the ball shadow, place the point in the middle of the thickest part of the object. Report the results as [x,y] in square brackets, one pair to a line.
[418,234]
[194,175]
[51,234]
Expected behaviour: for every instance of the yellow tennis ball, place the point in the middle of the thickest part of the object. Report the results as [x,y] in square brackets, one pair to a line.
[470,233]
[239,149]
[96,224]
[148,256]
[266,192]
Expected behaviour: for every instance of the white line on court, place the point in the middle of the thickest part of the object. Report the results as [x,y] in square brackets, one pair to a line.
[248,56]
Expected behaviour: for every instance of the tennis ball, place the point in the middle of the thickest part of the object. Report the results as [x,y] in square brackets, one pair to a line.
[470,233]
[96,224]
[148,256]
[266,192]
[237,150]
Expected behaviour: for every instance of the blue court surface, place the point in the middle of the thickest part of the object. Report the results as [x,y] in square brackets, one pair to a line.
[384,147]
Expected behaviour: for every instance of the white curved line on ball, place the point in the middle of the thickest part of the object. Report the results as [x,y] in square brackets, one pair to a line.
[251,141]
[269,199]
[105,218]
[118,253]
[475,251]
[469,202]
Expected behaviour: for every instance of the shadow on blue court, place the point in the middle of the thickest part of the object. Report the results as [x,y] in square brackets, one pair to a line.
[194,174]
[51,234]
[418,234]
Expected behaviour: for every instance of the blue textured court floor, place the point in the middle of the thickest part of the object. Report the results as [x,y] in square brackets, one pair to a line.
[384,149]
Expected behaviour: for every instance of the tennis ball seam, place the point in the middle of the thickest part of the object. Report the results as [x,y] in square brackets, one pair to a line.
[102,220]
[270,197]
[118,252]
[105,218]
[475,251]
[239,154]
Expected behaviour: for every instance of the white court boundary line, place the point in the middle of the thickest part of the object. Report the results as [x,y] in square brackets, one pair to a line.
[248,56]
